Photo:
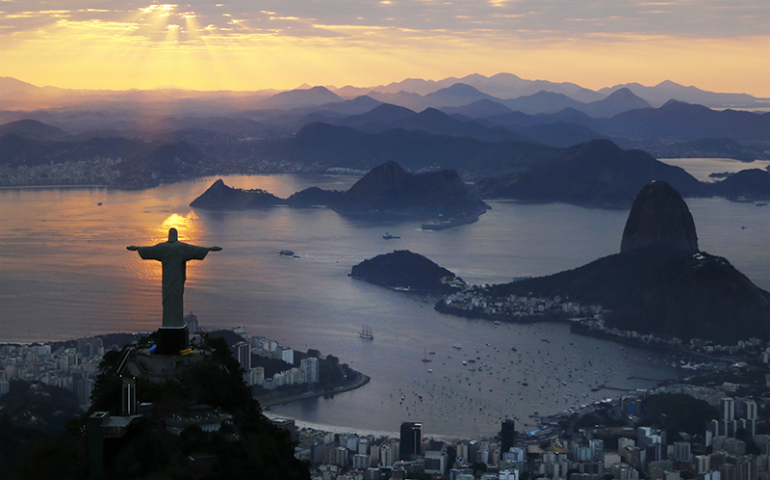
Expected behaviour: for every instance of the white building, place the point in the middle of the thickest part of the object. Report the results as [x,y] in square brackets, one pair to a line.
[309,365]
[286,354]
[255,376]
[727,409]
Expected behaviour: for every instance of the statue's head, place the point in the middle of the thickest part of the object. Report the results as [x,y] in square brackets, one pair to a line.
[173,236]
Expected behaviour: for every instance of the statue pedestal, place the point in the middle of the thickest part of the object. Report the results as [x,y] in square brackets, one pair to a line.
[172,340]
[140,363]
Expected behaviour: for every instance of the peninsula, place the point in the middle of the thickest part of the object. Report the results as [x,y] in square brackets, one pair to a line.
[660,283]
[441,199]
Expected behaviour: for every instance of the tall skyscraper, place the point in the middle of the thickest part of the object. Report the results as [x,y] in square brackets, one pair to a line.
[411,441]
[508,435]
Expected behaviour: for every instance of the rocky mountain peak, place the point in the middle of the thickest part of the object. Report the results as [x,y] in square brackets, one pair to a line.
[386,177]
[659,217]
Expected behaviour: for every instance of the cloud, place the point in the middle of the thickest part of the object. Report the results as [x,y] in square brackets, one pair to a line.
[317,37]
[683,18]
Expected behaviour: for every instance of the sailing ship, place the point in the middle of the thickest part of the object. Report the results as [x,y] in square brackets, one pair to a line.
[366,333]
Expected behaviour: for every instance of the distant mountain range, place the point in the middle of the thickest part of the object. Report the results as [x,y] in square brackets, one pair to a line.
[545,162]
[675,129]
[577,153]
[411,93]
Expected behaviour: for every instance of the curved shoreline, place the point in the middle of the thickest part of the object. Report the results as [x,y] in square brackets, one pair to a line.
[458,312]
[360,381]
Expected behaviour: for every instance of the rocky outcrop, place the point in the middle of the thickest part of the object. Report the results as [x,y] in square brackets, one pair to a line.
[221,196]
[660,283]
[389,189]
[659,218]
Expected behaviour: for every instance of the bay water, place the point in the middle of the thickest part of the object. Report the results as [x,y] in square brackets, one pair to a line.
[65,273]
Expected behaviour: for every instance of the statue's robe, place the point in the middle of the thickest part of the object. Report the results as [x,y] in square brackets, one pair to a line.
[174,257]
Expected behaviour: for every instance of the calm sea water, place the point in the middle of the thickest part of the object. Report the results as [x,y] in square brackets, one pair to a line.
[65,273]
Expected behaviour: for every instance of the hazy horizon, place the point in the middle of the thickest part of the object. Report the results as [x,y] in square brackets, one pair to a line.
[237,45]
[382,85]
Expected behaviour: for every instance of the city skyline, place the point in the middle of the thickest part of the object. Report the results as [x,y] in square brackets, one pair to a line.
[712,44]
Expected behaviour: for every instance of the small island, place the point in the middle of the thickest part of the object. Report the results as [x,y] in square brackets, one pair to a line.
[406,271]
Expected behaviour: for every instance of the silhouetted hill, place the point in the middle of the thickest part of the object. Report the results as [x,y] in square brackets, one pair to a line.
[389,189]
[479,109]
[560,134]
[412,101]
[517,121]
[166,164]
[386,117]
[344,147]
[378,119]
[221,196]
[664,129]
[15,149]
[314,196]
[300,98]
[751,184]
[684,122]
[32,129]
[355,106]
[668,90]
[597,173]
[175,159]
[405,270]
[454,96]
[652,287]
[619,101]
[542,102]
[439,123]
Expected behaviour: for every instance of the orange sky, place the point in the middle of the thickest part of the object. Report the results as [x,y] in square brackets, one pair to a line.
[716,45]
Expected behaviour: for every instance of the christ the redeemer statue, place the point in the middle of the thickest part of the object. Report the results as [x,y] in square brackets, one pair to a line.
[174,255]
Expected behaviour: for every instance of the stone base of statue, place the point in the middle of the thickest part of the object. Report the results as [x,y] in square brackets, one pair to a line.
[143,362]
[171,341]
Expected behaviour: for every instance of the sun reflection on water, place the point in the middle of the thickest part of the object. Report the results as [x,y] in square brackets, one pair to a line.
[189,229]
[187,226]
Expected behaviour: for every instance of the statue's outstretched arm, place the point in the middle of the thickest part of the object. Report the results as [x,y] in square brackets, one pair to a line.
[214,249]
[133,248]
